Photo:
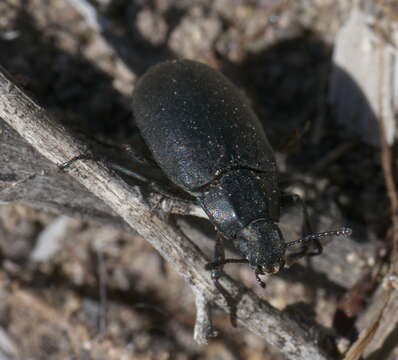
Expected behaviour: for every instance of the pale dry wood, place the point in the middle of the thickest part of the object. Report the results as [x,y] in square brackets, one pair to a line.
[57,144]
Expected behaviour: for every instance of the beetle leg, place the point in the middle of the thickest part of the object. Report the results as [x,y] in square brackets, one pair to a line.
[111,164]
[292,258]
[114,166]
[306,251]
[162,190]
[219,257]
[68,163]
[292,199]
[217,265]
[318,248]
[154,185]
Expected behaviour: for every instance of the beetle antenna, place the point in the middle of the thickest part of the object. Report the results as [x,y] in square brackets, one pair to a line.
[345,231]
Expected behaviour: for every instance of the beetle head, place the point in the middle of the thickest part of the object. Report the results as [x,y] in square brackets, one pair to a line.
[262,244]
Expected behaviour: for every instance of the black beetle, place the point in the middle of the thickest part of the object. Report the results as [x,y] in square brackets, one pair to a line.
[206,138]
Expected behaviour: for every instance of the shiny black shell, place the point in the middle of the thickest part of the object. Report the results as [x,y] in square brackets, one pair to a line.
[197,124]
[208,141]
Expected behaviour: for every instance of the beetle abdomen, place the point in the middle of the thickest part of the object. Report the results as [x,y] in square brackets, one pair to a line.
[197,124]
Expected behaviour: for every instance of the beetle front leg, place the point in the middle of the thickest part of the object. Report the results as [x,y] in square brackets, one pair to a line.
[216,272]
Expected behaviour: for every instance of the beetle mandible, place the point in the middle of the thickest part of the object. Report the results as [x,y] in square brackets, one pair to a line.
[206,138]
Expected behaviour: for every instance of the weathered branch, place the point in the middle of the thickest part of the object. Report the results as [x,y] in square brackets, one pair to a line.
[57,144]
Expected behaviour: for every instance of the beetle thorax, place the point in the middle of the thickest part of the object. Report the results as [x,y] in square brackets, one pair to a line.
[238,198]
